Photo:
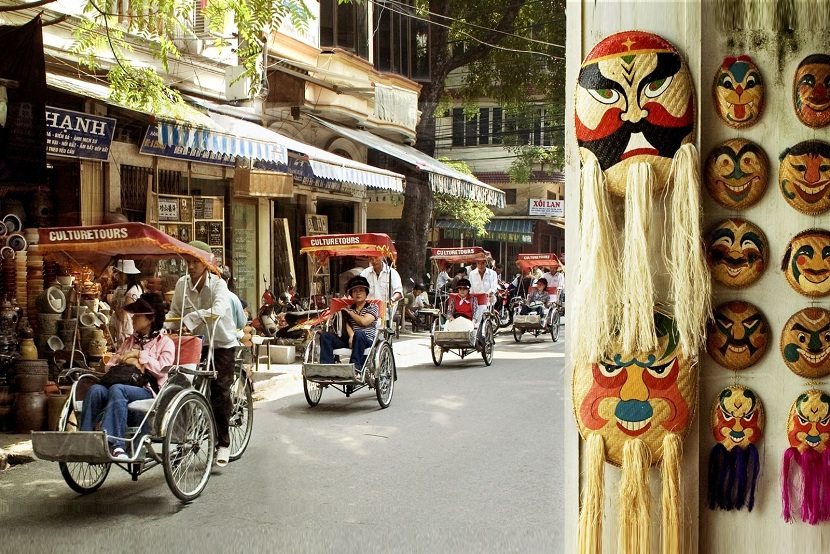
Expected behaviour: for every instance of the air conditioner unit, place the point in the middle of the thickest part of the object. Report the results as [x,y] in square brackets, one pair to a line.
[237,86]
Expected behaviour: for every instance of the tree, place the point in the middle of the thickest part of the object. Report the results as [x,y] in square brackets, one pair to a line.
[514,51]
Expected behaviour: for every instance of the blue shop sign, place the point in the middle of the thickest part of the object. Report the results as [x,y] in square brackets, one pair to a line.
[77,134]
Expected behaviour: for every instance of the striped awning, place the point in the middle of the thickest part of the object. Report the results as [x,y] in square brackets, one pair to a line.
[501,230]
[207,140]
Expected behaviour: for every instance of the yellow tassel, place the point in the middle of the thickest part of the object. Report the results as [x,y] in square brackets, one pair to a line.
[590,516]
[637,333]
[634,502]
[690,282]
[670,499]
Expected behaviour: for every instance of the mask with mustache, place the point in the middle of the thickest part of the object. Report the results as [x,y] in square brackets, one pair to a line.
[737,335]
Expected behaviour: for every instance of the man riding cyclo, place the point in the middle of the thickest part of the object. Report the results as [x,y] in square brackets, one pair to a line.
[483,280]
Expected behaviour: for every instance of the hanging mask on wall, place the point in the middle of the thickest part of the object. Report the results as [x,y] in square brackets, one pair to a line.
[806,262]
[737,252]
[738,335]
[634,103]
[805,343]
[737,172]
[808,431]
[737,424]
[804,176]
[738,92]
[811,90]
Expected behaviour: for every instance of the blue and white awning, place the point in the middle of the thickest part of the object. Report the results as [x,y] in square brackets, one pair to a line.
[225,144]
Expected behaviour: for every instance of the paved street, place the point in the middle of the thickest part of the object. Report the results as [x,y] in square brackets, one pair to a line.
[466,459]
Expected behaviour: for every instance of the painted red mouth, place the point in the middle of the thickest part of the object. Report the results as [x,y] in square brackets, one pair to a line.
[640,152]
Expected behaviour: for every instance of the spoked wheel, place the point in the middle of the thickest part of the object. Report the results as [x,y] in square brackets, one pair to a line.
[489,343]
[81,477]
[517,334]
[437,351]
[555,325]
[241,422]
[188,448]
[313,392]
[385,377]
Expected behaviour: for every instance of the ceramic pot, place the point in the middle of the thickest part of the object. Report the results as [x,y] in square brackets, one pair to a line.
[31,375]
[28,351]
[29,412]
[54,407]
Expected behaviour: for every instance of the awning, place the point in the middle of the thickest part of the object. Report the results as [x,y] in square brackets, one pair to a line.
[228,144]
[325,165]
[500,230]
[442,178]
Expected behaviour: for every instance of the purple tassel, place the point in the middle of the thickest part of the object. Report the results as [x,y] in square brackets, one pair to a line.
[755,464]
[790,455]
[727,484]
[717,461]
[811,473]
[740,477]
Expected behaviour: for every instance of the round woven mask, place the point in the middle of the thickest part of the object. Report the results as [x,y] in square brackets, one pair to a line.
[804,176]
[805,343]
[737,252]
[808,425]
[811,90]
[737,335]
[738,92]
[806,262]
[634,103]
[645,395]
[737,417]
[737,172]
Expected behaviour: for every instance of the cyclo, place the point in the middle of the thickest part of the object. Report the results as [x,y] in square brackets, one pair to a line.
[176,429]
[551,319]
[379,371]
[446,336]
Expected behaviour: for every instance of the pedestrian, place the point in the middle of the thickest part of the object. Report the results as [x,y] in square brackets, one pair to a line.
[129,289]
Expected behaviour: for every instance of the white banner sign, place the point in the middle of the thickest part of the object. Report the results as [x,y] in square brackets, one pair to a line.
[546,208]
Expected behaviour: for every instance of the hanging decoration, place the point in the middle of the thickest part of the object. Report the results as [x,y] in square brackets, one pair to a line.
[806,262]
[737,252]
[737,424]
[739,92]
[804,176]
[737,335]
[737,172]
[808,431]
[805,343]
[634,372]
[811,90]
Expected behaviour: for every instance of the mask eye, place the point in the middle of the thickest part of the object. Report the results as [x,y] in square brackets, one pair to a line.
[660,371]
[826,337]
[803,420]
[604,95]
[610,370]
[656,88]
[825,421]
[726,83]
[750,82]
[802,338]
[799,167]
[726,415]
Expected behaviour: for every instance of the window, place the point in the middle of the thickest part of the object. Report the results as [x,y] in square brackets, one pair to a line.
[400,41]
[509,196]
[457,127]
[345,26]
[484,125]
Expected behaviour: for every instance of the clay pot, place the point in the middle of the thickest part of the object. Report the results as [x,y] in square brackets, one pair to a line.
[28,351]
[29,412]
[31,375]
[54,407]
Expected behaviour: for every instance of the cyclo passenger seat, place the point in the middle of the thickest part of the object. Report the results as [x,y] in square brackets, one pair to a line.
[338,304]
[188,355]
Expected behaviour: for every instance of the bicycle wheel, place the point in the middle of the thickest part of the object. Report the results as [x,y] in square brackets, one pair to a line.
[436,351]
[313,392]
[385,378]
[555,325]
[489,341]
[81,477]
[188,447]
[517,334]
[241,422]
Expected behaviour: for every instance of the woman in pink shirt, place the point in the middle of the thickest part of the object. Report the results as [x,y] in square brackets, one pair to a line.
[148,349]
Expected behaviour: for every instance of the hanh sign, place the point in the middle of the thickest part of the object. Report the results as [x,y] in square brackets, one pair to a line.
[78,135]
[546,208]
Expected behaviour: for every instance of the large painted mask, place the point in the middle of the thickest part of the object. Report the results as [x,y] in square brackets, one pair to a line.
[737,417]
[806,262]
[805,343]
[738,335]
[737,172]
[634,103]
[811,90]
[804,176]
[646,395]
[739,92]
[808,426]
[737,252]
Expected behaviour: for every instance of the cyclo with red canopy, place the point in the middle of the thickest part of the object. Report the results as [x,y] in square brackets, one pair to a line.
[379,371]
[551,319]
[457,336]
[176,429]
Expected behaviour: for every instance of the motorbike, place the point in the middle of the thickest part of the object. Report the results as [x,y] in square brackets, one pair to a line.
[502,304]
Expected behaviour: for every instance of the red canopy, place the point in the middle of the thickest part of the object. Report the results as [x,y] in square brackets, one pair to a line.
[528,261]
[97,245]
[365,245]
[460,255]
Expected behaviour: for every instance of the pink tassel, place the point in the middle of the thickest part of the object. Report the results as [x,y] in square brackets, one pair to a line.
[811,473]
[825,485]
[789,455]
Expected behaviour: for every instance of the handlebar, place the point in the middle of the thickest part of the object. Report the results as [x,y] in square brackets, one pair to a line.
[195,372]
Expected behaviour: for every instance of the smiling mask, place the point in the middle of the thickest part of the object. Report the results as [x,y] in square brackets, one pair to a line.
[738,92]
[811,90]
[737,172]
[737,252]
[738,335]
[804,176]
[806,262]
[805,343]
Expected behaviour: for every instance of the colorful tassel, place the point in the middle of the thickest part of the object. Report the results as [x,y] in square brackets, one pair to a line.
[670,499]
[590,516]
[811,473]
[755,468]
[717,466]
[790,455]
[733,476]
[634,503]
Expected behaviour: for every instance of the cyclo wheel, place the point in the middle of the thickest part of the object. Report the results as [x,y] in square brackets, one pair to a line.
[385,375]
[188,447]
[517,334]
[313,391]
[436,351]
[555,325]
[489,342]
[81,477]
[241,422]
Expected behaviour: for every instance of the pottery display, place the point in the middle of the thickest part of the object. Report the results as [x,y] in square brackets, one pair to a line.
[29,412]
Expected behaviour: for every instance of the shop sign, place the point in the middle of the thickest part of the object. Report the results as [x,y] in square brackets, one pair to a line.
[78,135]
[546,208]
[152,147]
[168,209]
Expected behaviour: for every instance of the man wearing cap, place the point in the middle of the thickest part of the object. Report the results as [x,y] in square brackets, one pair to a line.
[210,296]
[360,327]
[379,274]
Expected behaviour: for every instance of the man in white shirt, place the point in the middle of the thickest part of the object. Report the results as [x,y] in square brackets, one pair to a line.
[483,280]
[379,275]
[443,277]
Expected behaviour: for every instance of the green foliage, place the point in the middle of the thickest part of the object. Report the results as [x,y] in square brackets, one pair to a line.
[472,213]
[548,158]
